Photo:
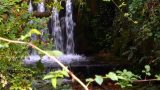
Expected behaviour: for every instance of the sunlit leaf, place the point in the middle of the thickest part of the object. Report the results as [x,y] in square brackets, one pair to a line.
[157,77]
[48,77]
[148,74]
[99,79]
[126,14]
[22,37]
[32,31]
[55,53]
[123,4]
[54,82]
[65,73]
[120,77]
[89,80]
[35,31]
[112,76]
[135,22]
[4,45]
[147,67]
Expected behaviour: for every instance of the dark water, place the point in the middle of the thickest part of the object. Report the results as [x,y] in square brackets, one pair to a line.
[75,86]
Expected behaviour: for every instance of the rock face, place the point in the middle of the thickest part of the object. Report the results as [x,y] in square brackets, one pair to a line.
[93,27]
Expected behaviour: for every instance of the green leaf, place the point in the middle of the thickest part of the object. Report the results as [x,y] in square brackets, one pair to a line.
[35,31]
[32,31]
[147,67]
[54,82]
[99,79]
[25,36]
[148,74]
[48,77]
[65,73]
[59,74]
[157,77]
[118,71]
[55,53]
[126,14]
[125,71]
[112,76]
[120,77]
[89,80]
[4,45]
[135,22]
[58,6]
[122,5]
[22,37]
[143,71]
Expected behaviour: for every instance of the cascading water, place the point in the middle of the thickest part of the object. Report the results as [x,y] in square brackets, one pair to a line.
[56,30]
[69,28]
[60,37]
[63,41]
[41,7]
[30,9]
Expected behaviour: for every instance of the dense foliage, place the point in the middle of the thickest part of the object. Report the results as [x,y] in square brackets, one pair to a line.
[143,36]
[14,22]
[136,32]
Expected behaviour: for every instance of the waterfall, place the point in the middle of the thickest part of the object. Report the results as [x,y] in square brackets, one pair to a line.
[59,39]
[56,30]
[63,36]
[30,9]
[41,7]
[69,28]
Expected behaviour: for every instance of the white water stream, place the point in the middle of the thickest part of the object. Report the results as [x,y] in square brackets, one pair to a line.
[59,43]
[41,6]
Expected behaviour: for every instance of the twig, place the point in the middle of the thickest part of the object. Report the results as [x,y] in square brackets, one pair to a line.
[145,80]
[55,59]
[122,11]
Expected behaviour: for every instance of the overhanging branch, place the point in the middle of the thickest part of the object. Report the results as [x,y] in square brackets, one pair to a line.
[55,59]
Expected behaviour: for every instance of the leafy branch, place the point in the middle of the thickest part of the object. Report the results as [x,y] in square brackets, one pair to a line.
[52,57]
[123,78]
[119,8]
[56,75]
